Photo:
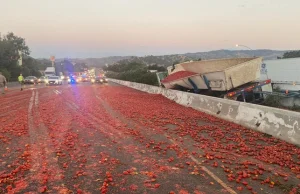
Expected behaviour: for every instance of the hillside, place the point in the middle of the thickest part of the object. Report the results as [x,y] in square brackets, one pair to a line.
[266,54]
[164,60]
[167,60]
[97,62]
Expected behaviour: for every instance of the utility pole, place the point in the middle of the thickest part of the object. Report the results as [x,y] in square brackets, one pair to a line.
[20,57]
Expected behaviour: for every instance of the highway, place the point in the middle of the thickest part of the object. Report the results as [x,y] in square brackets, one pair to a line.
[112,139]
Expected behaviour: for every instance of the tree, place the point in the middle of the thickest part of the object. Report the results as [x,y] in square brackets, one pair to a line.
[25,71]
[5,73]
[11,48]
[79,67]
[18,43]
[291,54]
[32,65]
[44,63]
[156,67]
[8,57]
[7,54]
[132,71]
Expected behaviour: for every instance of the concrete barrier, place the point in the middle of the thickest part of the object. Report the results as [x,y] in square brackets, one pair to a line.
[279,123]
[12,84]
[290,102]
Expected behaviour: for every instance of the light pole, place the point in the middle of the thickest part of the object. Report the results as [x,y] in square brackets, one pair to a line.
[240,45]
[52,59]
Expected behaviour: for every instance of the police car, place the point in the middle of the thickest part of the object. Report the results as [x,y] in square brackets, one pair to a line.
[73,80]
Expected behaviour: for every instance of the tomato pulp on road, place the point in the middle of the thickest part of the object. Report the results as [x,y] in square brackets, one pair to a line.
[112,139]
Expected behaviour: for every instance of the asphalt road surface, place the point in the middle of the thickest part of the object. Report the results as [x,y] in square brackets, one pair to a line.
[111,139]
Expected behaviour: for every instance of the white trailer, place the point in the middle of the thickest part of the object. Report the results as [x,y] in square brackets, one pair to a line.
[50,71]
[216,75]
[227,78]
[284,73]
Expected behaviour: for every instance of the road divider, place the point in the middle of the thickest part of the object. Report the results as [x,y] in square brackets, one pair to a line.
[282,124]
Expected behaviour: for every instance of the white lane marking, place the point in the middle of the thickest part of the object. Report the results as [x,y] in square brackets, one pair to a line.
[36,102]
[31,103]
[39,139]
[57,92]
[35,162]
[75,105]
[211,174]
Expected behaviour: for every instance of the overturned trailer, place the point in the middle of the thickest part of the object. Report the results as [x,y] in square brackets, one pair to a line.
[228,78]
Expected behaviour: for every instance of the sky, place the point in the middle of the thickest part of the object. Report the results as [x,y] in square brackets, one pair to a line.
[100,28]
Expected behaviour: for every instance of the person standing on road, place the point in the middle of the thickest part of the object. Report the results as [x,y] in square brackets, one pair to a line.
[2,83]
[21,80]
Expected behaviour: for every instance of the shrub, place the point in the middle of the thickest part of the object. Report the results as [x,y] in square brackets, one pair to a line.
[133,72]
[5,73]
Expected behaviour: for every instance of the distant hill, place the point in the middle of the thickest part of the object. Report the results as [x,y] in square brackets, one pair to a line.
[167,60]
[98,62]
[266,54]
[164,60]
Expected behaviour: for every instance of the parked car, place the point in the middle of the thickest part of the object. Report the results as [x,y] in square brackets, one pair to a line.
[54,80]
[42,79]
[31,80]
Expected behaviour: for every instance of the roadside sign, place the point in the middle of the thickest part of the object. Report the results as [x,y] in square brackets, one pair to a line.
[52,58]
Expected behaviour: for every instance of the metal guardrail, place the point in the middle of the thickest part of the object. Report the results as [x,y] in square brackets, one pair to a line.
[282,82]
[281,94]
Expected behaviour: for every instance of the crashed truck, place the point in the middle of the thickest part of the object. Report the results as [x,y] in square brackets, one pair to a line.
[225,78]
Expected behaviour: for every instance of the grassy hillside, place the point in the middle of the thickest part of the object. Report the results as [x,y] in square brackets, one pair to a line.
[167,60]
